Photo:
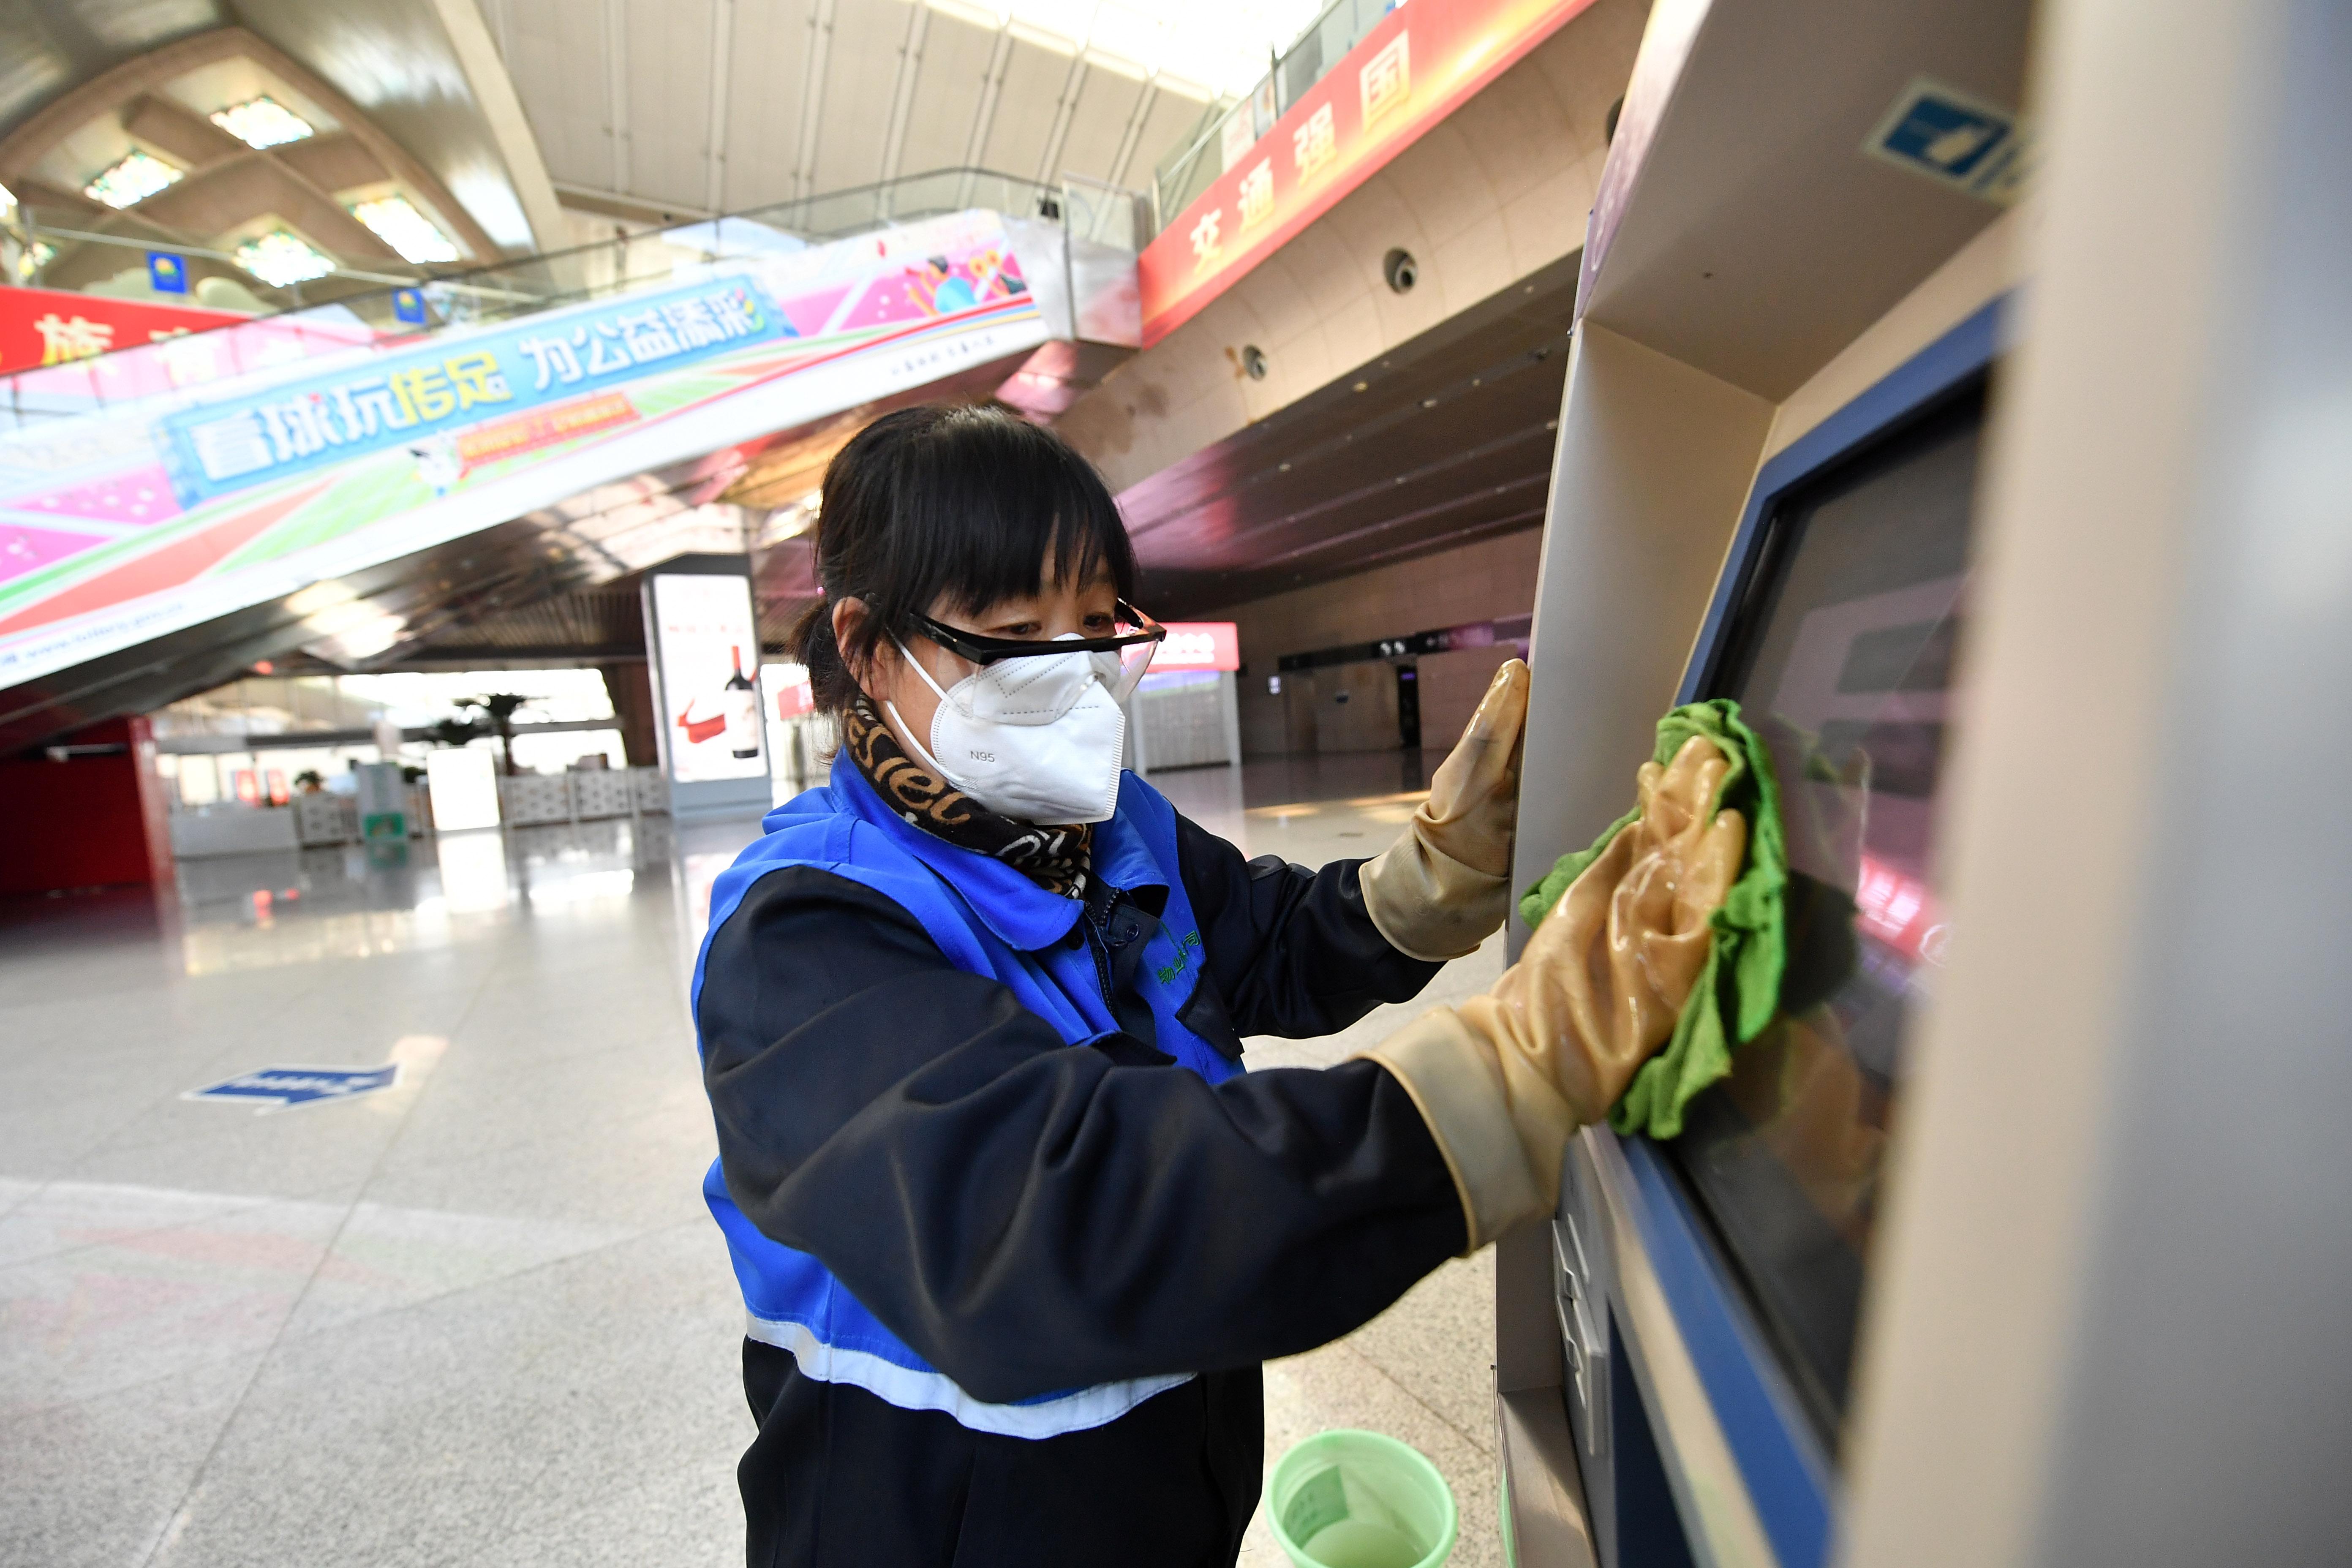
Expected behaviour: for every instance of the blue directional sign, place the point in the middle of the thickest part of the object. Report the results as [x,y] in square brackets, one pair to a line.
[275,1088]
[1954,139]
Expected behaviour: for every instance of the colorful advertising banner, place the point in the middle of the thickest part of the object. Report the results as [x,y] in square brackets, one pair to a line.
[481,387]
[159,513]
[54,326]
[1423,61]
[706,647]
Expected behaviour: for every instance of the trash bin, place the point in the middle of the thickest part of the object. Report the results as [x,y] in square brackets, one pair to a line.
[1359,1499]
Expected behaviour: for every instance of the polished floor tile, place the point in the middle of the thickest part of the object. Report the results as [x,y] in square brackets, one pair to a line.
[480,1317]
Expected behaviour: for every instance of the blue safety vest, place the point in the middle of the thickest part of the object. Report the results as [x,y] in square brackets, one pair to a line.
[988,919]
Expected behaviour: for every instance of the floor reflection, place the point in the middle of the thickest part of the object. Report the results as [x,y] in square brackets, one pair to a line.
[251,912]
[271,910]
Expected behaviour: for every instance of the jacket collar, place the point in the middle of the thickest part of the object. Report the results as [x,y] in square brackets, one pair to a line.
[1020,914]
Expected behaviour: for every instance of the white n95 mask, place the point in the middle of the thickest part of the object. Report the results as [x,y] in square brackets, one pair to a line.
[1037,739]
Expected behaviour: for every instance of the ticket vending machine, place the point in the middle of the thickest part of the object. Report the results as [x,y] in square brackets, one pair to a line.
[2003,533]
[1837,624]
[1771,441]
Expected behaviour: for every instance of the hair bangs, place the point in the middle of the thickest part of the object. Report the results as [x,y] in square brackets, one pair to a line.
[1007,511]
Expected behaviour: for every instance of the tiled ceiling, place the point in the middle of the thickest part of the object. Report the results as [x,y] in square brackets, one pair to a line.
[394,60]
[728,105]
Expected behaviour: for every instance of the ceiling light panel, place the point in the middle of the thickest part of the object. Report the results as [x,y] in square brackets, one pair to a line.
[281,258]
[396,221]
[262,122]
[138,177]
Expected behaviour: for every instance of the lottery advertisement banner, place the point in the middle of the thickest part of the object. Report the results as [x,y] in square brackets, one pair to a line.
[168,510]
[1423,61]
[482,386]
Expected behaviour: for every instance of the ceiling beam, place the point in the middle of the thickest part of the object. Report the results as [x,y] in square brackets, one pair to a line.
[983,118]
[820,57]
[991,87]
[616,88]
[722,36]
[1065,108]
[499,15]
[902,95]
[191,142]
[1131,138]
[483,59]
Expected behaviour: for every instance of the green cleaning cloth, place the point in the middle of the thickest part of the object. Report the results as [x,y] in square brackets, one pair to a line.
[1739,991]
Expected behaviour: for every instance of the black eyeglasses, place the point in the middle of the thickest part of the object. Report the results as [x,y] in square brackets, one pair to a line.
[984,650]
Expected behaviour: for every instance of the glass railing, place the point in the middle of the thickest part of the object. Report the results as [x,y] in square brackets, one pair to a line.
[1186,173]
[366,308]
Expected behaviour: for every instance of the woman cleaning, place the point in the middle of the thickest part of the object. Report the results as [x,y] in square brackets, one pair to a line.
[1014,1225]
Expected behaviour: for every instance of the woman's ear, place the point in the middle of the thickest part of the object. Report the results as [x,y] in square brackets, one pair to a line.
[848,615]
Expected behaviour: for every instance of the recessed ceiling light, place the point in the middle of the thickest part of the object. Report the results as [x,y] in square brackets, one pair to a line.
[262,122]
[396,221]
[282,256]
[138,177]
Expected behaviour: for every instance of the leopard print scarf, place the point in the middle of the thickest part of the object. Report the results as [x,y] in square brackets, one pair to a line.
[1056,859]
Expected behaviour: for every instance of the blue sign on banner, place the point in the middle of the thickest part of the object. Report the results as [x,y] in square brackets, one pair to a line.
[278,1087]
[167,272]
[408,305]
[417,397]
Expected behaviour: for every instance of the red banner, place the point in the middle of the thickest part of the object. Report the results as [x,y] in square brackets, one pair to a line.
[52,326]
[1422,62]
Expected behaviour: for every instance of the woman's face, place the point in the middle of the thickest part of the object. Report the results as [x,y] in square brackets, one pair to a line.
[1089,609]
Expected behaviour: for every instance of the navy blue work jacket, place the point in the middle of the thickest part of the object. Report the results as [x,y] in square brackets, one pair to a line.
[994,1185]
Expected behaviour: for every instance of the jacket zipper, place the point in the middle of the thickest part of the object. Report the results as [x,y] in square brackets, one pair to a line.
[1095,946]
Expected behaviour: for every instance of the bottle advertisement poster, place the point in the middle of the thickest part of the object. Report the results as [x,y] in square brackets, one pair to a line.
[707,653]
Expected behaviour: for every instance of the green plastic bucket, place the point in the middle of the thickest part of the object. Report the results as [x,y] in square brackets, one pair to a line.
[1357,1499]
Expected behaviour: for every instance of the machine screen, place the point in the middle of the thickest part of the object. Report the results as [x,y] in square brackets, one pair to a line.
[1841,654]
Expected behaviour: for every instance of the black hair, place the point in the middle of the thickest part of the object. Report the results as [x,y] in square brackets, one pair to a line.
[969,504]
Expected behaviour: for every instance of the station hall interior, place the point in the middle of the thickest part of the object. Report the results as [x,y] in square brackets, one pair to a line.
[414,417]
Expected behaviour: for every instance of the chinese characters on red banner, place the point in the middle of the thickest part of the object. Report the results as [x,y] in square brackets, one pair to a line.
[1419,64]
[54,326]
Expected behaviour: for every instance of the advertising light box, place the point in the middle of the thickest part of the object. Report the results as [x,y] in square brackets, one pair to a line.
[1199,645]
[463,785]
[706,647]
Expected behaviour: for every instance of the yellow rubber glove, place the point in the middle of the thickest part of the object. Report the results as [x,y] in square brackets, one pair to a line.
[1443,887]
[1503,1078]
